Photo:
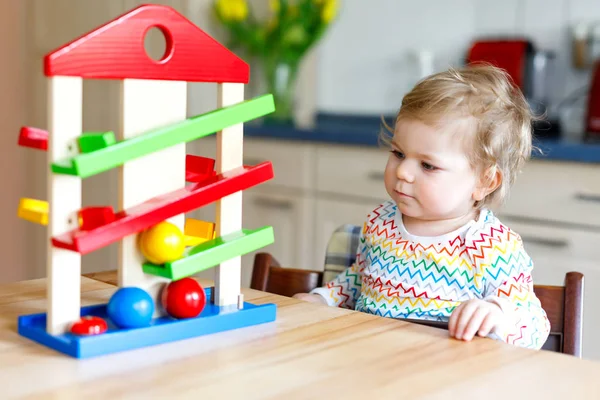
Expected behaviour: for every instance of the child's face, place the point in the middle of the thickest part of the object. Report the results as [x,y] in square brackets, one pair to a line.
[428,174]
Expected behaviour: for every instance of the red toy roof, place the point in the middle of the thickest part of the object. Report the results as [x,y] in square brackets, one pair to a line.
[116,51]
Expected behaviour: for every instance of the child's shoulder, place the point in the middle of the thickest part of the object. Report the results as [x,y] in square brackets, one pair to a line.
[382,214]
[490,228]
[496,248]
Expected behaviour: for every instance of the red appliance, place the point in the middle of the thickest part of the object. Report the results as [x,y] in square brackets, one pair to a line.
[511,55]
[531,70]
[593,106]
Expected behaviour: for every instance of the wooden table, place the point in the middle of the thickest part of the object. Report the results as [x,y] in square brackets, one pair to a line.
[311,351]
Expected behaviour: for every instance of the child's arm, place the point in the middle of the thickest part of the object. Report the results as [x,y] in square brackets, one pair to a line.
[344,289]
[509,284]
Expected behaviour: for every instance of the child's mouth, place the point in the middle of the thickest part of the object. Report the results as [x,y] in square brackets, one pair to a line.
[404,195]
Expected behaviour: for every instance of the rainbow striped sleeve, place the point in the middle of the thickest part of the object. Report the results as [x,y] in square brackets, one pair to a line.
[344,290]
[504,268]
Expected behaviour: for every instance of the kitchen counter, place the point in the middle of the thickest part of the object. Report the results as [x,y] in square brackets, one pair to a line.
[359,131]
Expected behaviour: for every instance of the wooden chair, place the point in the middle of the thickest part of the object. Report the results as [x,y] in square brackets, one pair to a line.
[563,304]
[564,307]
[268,276]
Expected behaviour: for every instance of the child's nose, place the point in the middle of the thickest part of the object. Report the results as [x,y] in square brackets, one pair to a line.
[404,173]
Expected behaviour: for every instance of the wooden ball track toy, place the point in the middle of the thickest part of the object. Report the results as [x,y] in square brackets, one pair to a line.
[156,301]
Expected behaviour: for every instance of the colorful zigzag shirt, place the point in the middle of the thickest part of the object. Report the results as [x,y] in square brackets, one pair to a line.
[399,275]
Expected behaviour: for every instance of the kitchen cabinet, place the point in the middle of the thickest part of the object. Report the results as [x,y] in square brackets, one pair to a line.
[553,206]
[564,193]
[289,215]
[330,214]
[291,218]
[355,172]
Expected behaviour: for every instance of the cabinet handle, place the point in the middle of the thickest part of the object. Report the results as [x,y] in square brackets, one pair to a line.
[554,243]
[273,203]
[588,197]
[376,175]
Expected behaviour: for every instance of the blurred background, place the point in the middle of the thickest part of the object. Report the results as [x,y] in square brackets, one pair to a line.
[336,68]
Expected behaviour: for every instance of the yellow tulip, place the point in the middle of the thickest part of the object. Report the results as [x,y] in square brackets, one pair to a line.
[232,10]
[329,10]
[293,10]
[272,23]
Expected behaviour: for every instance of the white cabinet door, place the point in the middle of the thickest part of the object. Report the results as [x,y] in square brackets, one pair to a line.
[351,172]
[293,164]
[291,219]
[330,215]
[563,192]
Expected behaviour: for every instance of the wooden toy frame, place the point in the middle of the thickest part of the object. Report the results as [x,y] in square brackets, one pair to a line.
[155,130]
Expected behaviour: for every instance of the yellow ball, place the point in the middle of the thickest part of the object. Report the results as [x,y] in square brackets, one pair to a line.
[162,243]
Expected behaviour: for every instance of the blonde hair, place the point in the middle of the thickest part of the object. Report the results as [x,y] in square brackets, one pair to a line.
[497,110]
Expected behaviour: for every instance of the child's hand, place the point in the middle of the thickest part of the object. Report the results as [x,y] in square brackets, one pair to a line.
[312,298]
[475,316]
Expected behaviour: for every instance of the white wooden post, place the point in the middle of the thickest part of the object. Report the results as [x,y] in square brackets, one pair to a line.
[148,104]
[63,267]
[229,209]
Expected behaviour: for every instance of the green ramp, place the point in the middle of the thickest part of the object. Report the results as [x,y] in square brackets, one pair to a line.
[92,141]
[114,155]
[213,252]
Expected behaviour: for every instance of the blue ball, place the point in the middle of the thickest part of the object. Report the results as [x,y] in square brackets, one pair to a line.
[130,307]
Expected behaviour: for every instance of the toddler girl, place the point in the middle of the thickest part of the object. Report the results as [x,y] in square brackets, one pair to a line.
[435,250]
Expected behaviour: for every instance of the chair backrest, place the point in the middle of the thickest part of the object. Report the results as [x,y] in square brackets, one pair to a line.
[563,304]
[268,276]
[564,308]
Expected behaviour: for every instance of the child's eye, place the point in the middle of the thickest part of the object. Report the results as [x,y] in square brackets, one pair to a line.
[428,167]
[398,154]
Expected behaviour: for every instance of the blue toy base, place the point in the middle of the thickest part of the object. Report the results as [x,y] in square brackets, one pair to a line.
[213,319]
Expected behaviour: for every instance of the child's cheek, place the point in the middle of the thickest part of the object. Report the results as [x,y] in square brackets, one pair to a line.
[435,193]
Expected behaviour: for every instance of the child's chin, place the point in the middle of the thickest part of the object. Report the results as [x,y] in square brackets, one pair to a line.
[406,209]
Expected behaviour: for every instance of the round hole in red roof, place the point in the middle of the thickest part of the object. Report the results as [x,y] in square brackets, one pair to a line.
[158,43]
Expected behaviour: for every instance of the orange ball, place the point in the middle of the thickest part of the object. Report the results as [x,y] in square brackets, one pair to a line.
[162,243]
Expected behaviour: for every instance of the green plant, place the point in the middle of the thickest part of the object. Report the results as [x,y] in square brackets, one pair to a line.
[279,41]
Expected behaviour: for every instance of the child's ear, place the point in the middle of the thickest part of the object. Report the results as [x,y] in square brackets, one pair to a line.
[489,181]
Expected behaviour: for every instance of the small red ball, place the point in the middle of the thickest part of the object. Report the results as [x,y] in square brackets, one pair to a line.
[184,298]
[89,325]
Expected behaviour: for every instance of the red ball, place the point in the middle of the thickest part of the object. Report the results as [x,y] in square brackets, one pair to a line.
[184,298]
[89,325]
